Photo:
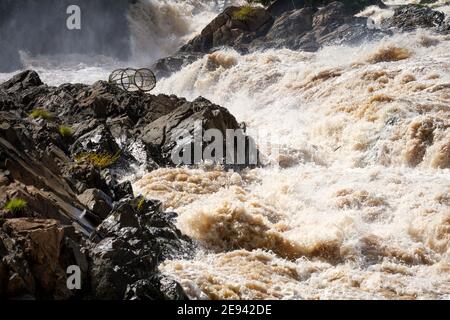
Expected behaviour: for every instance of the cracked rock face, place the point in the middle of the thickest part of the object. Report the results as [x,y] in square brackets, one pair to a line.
[31,266]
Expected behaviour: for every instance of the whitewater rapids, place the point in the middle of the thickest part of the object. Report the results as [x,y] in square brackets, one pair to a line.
[355,203]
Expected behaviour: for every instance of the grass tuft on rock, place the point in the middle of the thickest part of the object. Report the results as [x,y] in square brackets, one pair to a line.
[141,204]
[244,13]
[65,131]
[15,205]
[41,114]
[99,160]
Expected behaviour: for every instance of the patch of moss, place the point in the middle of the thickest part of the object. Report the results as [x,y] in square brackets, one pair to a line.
[244,13]
[15,205]
[99,160]
[141,204]
[41,114]
[65,131]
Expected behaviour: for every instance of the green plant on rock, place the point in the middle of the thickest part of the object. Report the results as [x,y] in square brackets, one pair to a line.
[65,131]
[99,160]
[41,114]
[244,13]
[15,205]
[141,204]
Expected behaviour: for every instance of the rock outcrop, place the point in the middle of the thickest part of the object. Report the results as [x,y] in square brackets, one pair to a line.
[309,29]
[62,153]
[134,239]
[297,25]
[32,264]
[231,28]
[411,17]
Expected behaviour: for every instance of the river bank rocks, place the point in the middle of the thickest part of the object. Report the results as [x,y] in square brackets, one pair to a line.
[411,17]
[63,152]
[32,263]
[298,25]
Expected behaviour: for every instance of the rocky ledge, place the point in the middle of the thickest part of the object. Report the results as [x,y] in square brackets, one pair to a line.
[298,25]
[63,151]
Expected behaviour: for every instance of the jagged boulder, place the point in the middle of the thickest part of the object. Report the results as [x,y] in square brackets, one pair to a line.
[99,140]
[131,243]
[233,23]
[34,259]
[96,201]
[166,66]
[311,28]
[185,127]
[412,17]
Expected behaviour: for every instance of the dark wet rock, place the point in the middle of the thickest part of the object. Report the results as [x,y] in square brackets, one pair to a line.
[116,189]
[22,81]
[226,28]
[159,287]
[162,137]
[83,176]
[100,140]
[309,29]
[96,201]
[169,65]
[134,239]
[293,23]
[412,17]
[122,190]
[279,7]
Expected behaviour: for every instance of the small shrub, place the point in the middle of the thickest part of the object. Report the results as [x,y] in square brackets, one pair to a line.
[15,205]
[65,131]
[244,13]
[99,160]
[141,204]
[41,114]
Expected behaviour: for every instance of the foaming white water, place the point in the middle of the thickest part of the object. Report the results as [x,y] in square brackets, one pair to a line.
[358,207]
[341,97]
[160,27]
[59,69]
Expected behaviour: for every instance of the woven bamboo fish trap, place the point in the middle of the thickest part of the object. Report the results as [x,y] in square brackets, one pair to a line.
[130,79]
